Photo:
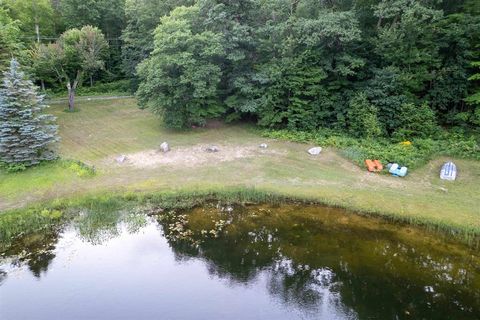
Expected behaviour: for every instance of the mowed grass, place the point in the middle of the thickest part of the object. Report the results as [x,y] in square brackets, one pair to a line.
[103,130]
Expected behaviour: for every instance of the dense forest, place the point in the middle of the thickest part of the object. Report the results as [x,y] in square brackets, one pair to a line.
[368,68]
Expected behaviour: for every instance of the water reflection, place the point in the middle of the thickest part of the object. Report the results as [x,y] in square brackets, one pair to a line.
[314,263]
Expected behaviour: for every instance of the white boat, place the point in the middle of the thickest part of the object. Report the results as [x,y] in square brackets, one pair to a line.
[449,171]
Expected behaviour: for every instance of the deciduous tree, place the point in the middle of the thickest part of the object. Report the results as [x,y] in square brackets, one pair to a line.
[180,80]
[78,52]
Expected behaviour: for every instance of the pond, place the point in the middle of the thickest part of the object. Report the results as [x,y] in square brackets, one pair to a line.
[224,261]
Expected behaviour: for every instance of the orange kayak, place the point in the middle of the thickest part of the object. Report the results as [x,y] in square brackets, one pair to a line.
[373,165]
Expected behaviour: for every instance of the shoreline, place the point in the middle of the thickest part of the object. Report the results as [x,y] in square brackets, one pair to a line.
[187,199]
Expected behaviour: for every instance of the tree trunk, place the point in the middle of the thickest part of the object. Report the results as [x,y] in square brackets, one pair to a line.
[71,97]
[293,7]
[37,32]
[91,81]
[42,83]
[71,91]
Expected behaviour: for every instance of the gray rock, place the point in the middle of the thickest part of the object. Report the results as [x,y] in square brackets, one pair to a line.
[263,146]
[164,147]
[121,159]
[315,151]
[212,149]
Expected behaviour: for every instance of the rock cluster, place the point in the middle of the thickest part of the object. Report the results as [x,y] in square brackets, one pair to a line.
[212,149]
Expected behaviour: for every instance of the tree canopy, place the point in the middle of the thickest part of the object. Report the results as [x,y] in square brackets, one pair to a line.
[181,77]
[305,64]
[296,64]
[78,52]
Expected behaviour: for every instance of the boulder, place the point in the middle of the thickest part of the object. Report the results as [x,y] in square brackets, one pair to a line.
[315,151]
[212,149]
[121,159]
[263,146]
[164,147]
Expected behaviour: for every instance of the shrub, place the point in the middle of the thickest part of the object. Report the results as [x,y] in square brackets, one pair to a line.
[412,153]
[362,117]
[12,167]
[81,169]
[119,88]
[415,121]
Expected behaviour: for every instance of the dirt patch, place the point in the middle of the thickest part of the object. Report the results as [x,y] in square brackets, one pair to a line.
[193,156]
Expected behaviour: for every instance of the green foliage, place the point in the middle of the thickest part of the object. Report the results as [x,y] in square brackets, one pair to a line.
[108,15]
[142,17]
[415,121]
[181,78]
[114,88]
[10,44]
[286,64]
[76,53]
[13,167]
[119,87]
[26,132]
[406,40]
[362,117]
[81,169]
[78,13]
[387,93]
[458,35]
[297,64]
[305,88]
[33,16]
[413,155]
[26,222]
[474,99]
[51,214]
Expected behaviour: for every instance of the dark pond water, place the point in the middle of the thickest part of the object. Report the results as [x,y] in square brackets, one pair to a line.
[222,262]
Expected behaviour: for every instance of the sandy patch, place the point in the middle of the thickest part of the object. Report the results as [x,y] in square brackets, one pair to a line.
[192,156]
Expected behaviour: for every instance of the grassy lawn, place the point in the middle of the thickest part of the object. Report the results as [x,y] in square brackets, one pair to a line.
[103,130]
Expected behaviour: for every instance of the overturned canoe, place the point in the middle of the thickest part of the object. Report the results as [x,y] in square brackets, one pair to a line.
[449,171]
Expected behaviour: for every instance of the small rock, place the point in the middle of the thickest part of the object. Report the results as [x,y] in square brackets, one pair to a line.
[121,159]
[315,151]
[263,146]
[212,149]
[164,147]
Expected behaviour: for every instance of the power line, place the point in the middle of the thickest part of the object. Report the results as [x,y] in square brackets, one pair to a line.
[56,38]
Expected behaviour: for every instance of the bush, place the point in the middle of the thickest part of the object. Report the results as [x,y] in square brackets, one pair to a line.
[412,153]
[415,121]
[362,117]
[13,167]
[118,88]
[81,169]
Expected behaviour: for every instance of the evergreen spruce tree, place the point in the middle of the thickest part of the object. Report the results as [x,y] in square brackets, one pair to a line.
[27,135]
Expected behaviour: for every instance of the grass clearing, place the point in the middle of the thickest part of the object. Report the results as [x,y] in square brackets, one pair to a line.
[105,129]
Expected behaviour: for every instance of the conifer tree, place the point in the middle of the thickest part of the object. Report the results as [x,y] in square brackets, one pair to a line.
[27,135]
